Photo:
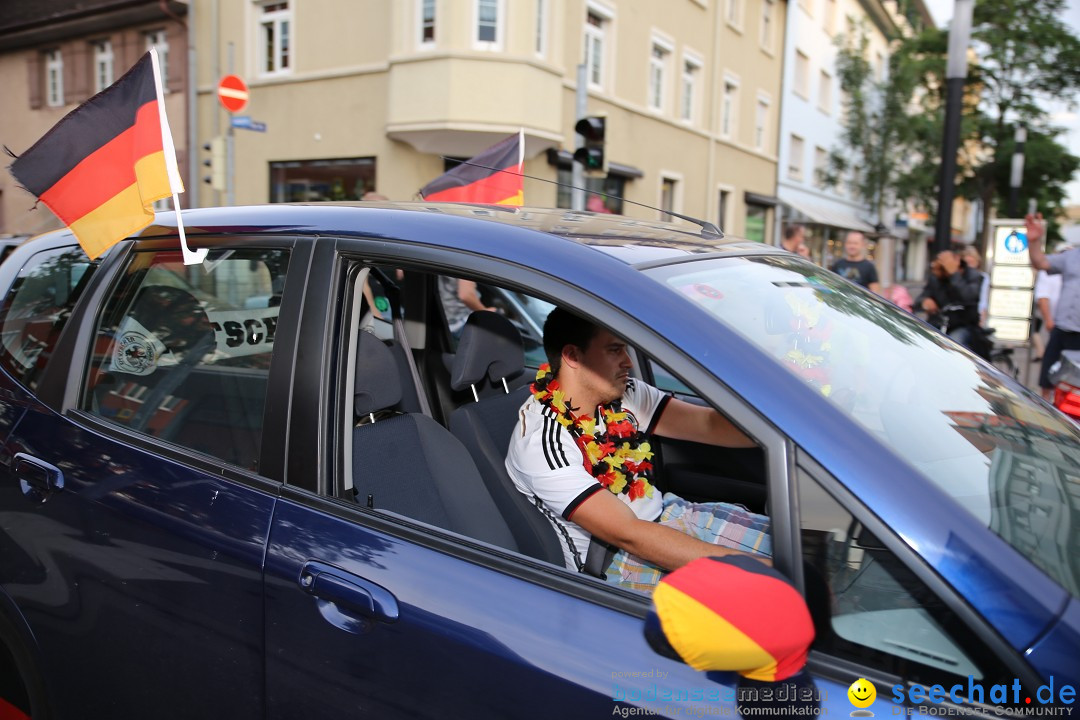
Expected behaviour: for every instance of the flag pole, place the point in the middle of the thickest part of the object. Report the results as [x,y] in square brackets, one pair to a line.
[191,257]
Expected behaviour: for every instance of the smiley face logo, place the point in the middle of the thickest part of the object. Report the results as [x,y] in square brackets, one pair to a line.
[862,693]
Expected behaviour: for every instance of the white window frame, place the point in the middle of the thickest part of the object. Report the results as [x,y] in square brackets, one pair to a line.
[661,50]
[104,66]
[676,179]
[690,83]
[157,40]
[541,39]
[500,25]
[821,161]
[729,106]
[768,24]
[729,209]
[825,91]
[761,120]
[733,14]
[801,84]
[54,78]
[796,160]
[275,19]
[600,34]
[420,23]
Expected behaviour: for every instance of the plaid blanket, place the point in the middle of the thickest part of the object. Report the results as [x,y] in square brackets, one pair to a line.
[723,524]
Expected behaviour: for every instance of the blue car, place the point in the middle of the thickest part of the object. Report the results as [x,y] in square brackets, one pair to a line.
[272,485]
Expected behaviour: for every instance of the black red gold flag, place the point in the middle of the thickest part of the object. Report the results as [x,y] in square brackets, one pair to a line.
[102,167]
[492,177]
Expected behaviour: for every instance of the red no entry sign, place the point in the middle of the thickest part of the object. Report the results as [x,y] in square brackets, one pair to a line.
[233,93]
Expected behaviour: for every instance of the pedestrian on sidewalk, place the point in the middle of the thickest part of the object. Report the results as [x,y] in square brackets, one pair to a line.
[1066,332]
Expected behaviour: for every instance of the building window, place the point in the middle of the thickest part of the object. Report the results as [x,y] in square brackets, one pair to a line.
[802,74]
[541,27]
[596,25]
[658,62]
[103,65]
[427,22]
[723,208]
[757,219]
[879,67]
[761,123]
[767,9]
[317,180]
[609,189]
[669,188]
[825,92]
[54,78]
[821,162]
[691,73]
[830,16]
[733,13]
[729,108]
[489,18]
[795,159]
[155,40]
[275,38]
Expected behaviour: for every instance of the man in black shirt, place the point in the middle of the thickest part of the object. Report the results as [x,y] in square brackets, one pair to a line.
[854,266]
[951,301]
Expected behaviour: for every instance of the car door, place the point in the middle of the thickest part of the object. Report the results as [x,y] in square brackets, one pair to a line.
[139,488]
[377,613]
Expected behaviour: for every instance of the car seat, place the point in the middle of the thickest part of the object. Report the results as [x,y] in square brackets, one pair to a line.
[409,464]
[489,355]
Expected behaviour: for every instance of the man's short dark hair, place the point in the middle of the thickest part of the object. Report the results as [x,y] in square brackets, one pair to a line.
[792,230]
[563,328]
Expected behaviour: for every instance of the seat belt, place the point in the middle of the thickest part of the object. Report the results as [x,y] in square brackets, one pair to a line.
[598,558]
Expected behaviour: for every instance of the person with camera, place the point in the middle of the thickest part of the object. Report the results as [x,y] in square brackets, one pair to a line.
[951,301]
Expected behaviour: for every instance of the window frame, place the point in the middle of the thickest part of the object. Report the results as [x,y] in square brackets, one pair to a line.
[540,45]
[158,39]
[597,46]
[274,20]
[690,97]
[796,162]
[104,60]
[768,26]
[53,77]
[801,78]
[423,23]
[729,107]
[761,120]
[499,26]
[825,91]
[661,51]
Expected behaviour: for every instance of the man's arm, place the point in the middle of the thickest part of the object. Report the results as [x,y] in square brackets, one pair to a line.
[685,421]
[469,295]
[1036,230]
[1048,317]
[872,282]
[612,520]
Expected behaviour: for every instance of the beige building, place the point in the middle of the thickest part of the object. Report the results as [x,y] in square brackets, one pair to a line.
[361,95]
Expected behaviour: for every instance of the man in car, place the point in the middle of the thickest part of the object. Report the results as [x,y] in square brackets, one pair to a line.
[580,451]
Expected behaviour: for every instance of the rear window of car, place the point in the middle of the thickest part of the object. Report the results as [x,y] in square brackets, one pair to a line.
[37,308]
[1009,460]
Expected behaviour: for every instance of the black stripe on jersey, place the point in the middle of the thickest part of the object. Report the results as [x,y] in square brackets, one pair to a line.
[544,442]
[656,415]
[554,520]
[552,441]
[576,502]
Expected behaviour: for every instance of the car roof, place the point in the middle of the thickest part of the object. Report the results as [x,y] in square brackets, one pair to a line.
[634,241]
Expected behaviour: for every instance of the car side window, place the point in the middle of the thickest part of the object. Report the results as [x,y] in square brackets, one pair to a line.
[183,353]
[868,607]
[37,307]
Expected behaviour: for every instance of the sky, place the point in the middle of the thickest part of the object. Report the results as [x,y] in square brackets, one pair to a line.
[1062,114]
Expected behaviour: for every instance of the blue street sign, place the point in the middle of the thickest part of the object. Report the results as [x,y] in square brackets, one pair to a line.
[244,122]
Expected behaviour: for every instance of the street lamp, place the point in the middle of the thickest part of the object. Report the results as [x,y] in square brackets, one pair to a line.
[955,72]
[1016,176]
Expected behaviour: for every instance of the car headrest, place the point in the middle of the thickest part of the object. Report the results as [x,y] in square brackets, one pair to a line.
[491,347]
[378,386]
[173,315]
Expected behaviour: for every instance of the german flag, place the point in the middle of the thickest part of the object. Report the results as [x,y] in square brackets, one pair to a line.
[706,619]
[101,168]
[492,177]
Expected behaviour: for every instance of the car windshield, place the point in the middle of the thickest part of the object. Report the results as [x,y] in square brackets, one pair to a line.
[1008,460]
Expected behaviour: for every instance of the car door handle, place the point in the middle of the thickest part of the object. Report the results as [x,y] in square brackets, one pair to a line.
[37,478]
[348,591]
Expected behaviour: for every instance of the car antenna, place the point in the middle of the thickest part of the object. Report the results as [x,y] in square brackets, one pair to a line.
[707,228]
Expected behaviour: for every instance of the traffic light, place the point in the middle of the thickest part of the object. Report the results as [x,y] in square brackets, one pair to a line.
[592,156]
[216,163]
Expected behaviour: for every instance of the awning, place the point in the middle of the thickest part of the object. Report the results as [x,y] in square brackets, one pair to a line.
[815,214]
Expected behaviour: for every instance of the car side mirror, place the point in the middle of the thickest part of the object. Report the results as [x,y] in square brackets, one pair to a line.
[736,614]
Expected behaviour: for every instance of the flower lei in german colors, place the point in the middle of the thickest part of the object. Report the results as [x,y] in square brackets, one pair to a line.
[619,458]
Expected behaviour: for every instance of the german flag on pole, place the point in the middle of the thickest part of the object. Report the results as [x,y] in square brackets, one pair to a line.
[492,177]
[102,167]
